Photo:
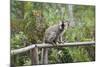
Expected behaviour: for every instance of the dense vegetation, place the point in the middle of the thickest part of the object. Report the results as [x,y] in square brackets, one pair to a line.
[29,20]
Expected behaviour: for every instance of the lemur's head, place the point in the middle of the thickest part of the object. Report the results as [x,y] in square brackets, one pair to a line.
[64,24]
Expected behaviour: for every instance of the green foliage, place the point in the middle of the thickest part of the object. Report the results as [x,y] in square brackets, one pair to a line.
[79,54]
[53,56]
[21,59]
[65,56]
[17,40]
[29,20]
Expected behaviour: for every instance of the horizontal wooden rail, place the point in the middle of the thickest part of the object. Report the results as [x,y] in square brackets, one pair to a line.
[43,45]
[16,51]
[67,44]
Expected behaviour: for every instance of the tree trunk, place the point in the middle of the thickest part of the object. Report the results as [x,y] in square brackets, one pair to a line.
[70,15]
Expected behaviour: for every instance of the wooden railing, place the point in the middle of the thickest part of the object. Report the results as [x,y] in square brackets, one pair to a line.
[34,48]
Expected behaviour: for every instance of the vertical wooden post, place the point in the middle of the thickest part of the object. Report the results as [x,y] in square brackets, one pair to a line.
[41,62]
[35,58]
[45,57]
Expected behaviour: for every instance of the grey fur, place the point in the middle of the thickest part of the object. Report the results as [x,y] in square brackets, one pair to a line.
[53,33]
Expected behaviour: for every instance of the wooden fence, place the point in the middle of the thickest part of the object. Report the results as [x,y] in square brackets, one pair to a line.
[44,60]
